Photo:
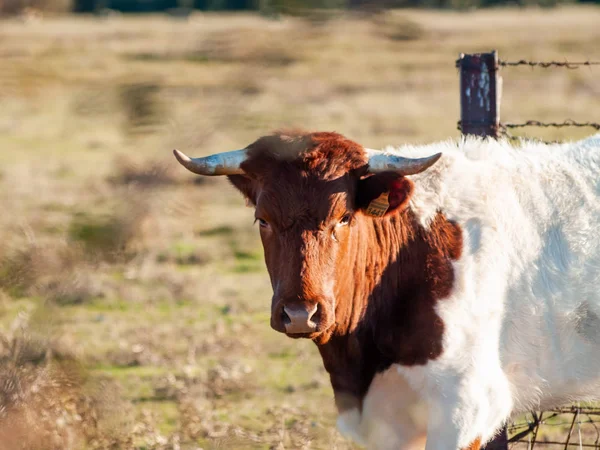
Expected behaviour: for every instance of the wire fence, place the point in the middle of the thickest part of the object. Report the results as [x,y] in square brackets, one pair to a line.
[547,64]
[502,129]
[560,428]
[505,127]
[542,64]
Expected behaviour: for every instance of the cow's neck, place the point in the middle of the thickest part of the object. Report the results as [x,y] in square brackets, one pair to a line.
[386,297]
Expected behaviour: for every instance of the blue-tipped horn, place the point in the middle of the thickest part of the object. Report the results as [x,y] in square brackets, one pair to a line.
[383,162]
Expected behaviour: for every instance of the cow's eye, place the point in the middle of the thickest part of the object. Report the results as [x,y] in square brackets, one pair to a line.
[344,220]
[262,222]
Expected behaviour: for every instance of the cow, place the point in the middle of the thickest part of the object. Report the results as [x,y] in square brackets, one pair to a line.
[462,274]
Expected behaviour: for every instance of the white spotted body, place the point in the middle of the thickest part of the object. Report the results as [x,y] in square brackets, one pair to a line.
[522,325]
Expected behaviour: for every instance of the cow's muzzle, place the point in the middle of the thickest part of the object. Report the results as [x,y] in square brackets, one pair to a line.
[298,319]
[302,318]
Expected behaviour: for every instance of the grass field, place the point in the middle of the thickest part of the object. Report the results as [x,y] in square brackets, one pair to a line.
[134,302]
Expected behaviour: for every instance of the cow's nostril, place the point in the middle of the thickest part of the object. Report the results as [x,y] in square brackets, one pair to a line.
[299,318]
[285,319]
[315,314]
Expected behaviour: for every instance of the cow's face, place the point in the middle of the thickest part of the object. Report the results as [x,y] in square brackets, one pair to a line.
[305,227]
[310,210]
[313,194]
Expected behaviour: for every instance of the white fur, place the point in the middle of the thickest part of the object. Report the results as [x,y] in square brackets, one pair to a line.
[393,416]
[348,423]
[522,326]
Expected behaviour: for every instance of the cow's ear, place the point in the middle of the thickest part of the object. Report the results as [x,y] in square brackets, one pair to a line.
[383,193]
[246,185]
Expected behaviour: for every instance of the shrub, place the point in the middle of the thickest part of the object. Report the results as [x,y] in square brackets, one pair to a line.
[108,237]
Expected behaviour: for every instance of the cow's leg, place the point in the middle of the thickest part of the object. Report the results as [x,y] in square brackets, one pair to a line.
[349,416]
[394,416]
[466,410]
[391,416]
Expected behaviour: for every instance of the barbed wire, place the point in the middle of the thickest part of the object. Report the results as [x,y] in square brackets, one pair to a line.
[547,64]
[503,128]
[542,64]
[537,123]
[531,429]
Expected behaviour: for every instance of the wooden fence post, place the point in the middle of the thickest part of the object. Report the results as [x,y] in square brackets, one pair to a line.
[480,92]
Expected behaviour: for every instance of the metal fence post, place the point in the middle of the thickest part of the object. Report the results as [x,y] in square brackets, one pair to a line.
[480,90]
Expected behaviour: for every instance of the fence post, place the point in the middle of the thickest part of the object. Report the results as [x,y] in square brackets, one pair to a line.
[480,90]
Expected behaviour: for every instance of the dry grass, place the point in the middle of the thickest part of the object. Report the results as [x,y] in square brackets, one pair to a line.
[150,282]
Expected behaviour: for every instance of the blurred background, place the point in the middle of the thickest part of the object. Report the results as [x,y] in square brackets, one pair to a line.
[134,302]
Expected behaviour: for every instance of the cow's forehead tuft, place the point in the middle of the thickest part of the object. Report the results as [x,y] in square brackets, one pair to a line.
[282,145]
[324,155]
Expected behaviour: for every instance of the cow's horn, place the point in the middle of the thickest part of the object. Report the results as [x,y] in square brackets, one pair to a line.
[227,163]
[382,162]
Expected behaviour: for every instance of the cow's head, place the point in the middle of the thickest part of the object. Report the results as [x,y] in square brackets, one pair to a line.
[312,193]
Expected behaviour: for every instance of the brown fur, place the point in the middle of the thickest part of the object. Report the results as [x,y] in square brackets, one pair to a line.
[376,281]
[475,445]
